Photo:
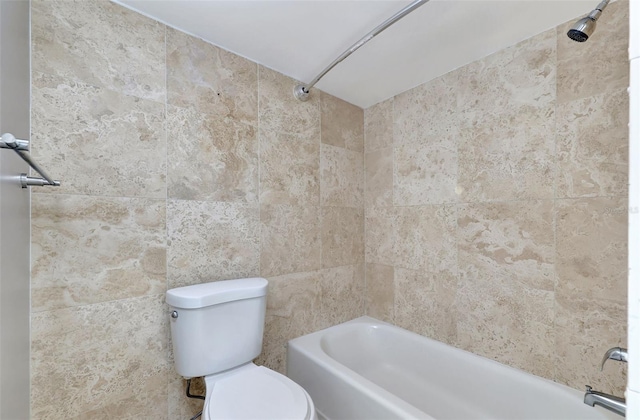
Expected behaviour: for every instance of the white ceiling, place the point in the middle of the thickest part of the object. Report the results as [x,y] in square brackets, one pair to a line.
[301,37]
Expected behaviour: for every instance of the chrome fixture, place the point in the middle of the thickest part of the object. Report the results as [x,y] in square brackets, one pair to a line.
[301,91]
[582,29]
[615,353]
[21,147]
[610,402]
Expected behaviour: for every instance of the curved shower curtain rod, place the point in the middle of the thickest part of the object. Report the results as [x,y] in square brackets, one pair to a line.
[301,91]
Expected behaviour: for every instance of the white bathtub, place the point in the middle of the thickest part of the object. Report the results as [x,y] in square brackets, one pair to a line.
[368,369]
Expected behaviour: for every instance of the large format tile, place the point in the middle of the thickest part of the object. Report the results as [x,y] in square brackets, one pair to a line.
[505,297]
[379,292]
[506,150]
[510,242]
[98,141]
[120,242]
[99,43]
[425,238]
[210,79]
[378,178]
[301,303]
[101,361]
[291,239]
[426,113]
[342,291]
[423,303]
[584,330]
[289,169]
[211,241]
[293,310]
[599,65]
[425,173]
[592,248]
[508,157]
[342,123]
[280,111]
[507,321]
[593,146]
[146,398]
[521,75]
[378,126]
[342,236]
[380,235]
[341,177]
[211,158]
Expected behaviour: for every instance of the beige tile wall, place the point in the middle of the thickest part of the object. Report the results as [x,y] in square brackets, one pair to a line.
[180,163]
[496,209]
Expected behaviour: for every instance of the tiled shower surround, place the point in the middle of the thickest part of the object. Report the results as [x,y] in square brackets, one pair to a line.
[496,205]
[494,210]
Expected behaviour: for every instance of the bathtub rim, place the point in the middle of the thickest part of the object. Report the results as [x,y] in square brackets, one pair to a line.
[311,346]
[305,345]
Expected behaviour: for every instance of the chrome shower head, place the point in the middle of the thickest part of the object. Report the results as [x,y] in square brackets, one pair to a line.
[582,29]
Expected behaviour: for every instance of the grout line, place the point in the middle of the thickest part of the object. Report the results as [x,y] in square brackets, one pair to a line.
[166,194]
[554,214]
[365,297]
[394,308]
[259,192]
[31,334]
[166,150]
[321,205]
[101,302]
[454,304]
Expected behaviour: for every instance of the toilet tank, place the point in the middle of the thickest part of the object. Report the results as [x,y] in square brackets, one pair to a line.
[216,326]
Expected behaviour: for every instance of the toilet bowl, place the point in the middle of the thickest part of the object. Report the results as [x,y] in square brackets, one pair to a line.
[254,393]
[216,330]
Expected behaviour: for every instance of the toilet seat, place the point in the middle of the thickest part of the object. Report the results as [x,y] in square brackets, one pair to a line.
[255,392]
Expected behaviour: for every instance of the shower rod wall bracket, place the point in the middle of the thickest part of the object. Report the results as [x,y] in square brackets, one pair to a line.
[302,91]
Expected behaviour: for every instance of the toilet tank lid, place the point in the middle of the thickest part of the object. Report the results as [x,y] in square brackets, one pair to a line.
[207,294]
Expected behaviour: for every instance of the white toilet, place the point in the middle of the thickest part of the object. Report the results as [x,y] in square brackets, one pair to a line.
[217,331]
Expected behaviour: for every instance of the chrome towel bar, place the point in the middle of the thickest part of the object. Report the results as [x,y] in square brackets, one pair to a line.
[21,147]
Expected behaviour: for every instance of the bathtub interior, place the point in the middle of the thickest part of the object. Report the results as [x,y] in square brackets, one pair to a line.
[442,381]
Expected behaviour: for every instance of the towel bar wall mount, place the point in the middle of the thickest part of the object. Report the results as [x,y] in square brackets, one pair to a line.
[21,147]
